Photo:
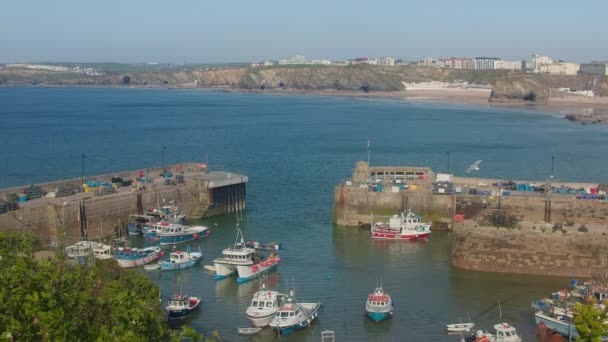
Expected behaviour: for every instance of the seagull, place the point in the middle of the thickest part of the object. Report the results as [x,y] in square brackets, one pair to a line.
[474,166]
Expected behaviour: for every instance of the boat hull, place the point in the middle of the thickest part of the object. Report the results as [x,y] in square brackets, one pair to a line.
[561,327]
[378,316]
[171,266]
[261,321]
[288,329]
[223,270]
[166,240]
[248,273]
[128,263]
[176,314]
[398,236]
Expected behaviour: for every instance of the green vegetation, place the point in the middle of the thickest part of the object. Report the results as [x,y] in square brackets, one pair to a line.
[53,300]
[590,322]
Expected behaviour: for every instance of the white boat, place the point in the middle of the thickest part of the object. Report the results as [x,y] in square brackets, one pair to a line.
[459,327]
[293,316]
[80,249]
[150,267]
[378,306]
[209,268]
[103,251]
[264,306]
[248,331]
[237,254]
[402,227]
[261,265]
[504,333]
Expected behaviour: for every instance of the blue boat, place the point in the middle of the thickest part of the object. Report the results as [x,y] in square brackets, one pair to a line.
[128,257]
[180,306]
[140,223]
[179,260]
[378,306]
[293,316]
[561,324]
[173,233]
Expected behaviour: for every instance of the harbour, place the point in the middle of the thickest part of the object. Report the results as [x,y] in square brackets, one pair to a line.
[289,199]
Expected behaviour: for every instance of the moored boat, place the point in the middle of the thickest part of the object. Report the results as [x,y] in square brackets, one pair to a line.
[459,327]
[402,227]
[173,233]
[128,257]
[504,333]
[181,259]
[293,316]
[248,331]
[560,324]
[80,249]
[378,306]
[264,305]
[260,266]
[103,251]
[180,305]
[140,223]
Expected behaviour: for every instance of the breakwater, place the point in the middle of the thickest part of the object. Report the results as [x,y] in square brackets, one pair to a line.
[98,213]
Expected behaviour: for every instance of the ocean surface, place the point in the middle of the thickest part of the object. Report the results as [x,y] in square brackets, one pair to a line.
[295,149]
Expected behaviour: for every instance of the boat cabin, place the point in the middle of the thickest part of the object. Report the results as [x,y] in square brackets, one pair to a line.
[177,256]
[239,254]
[102,251]
[505,332]
[173,229]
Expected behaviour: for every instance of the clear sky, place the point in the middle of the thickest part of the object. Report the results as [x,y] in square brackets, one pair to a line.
[199,31]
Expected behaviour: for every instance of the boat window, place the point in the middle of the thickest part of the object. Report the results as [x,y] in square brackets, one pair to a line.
[291,314]
[255,303]
[261,304]
[268,304]
[283,314]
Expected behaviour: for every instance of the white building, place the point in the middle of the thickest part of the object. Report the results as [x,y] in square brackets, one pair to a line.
[508,65]
[297,59]
[559,68]
[538,60]
[386,61]
[486,63]
[429,62]
[319,62]
[595,68]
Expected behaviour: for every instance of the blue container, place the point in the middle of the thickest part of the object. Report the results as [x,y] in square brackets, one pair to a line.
[91,184]
[506,193]
[379,187]
[22,198]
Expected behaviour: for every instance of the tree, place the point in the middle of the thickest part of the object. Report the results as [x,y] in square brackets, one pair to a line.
[590,322]
[54,300]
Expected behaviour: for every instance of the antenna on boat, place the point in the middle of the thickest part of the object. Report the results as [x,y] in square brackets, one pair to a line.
[499,309]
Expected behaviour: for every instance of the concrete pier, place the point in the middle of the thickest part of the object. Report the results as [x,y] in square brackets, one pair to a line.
[198,192]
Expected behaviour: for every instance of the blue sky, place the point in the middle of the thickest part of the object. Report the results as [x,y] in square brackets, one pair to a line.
[198,31]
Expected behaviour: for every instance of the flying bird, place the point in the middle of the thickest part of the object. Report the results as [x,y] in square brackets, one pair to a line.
[474,166]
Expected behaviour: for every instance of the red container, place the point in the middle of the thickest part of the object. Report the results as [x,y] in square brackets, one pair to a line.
[459,217]
[141,174]
[593,191]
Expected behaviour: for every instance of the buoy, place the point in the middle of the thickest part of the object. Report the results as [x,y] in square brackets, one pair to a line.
[329,277]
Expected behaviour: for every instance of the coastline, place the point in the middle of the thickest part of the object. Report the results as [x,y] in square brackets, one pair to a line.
[471,96]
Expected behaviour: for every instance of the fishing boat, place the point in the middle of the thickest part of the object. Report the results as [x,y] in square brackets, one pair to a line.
[138,224]
[103,251]
[180,259]
[402,227]
[80,249]
[378,306]
[459,327]
[237,254]
[128,257]
[173,233]
[261,265]
[264,306]
[248,331]
[560,324]
[181,305]
[504,333]
[293,316]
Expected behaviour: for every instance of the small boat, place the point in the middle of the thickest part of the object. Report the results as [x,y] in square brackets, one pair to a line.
[459,327]
[237,254]
[209,268]
[504,333]
[181,305]
[128,257]
[248,331]
[103,251]
[80,249]
[180,259]
[402,227]
[173,233]
[562,324]
[264,306]
[293,316]
[378,306]
[150,267]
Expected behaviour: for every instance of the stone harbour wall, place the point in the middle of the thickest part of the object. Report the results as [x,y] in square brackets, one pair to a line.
[536,249]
